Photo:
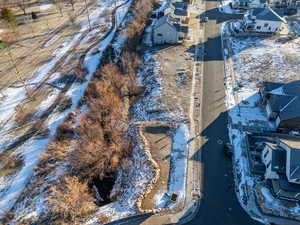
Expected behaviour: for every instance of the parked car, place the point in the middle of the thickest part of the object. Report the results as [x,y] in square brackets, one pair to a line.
[228,149]
[203,19]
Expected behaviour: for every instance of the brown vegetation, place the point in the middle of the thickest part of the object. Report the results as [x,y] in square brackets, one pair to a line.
[71,199]
[96,146]
[9,164]
[103,130]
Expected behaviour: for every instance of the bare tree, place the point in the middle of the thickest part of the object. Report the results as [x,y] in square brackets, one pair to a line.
[59,4]
[72,3]
[22,5]
[88,14]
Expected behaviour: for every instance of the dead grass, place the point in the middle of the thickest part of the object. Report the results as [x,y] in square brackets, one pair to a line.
[71,199]
[65,131]
[103,219]
[9,164]
[100,141]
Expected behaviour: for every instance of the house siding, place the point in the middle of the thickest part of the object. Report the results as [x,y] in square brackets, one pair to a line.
[269,112]
[165,34]
[267,160]
[267,26]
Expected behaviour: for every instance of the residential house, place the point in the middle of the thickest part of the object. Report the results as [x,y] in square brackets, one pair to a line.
[285,3]
[282,102]
[248,4]
[262,20]
[169,9]
[281,158]
[165,30]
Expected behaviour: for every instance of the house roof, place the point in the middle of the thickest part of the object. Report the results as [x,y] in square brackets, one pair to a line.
[291,110]
[165,19]
[169,7]
[284,98]
[266,14]
[295,164]
[278,160]
[294,145]
[292,88]
[278,102]
[270,86]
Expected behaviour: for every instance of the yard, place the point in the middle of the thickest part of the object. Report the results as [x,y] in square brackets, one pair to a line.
[248,62]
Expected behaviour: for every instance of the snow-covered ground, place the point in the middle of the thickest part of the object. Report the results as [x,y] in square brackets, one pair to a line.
[140,177]
[30,151]
[252,60]
[179,162]
[11,97]
[45,7]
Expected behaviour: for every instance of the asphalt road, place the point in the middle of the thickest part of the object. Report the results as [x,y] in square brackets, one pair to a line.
[219,205]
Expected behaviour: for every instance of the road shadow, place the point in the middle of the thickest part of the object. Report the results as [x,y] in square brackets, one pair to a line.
[214,14]
[219,204]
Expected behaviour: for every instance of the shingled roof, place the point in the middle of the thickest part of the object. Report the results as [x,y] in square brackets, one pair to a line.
[284,98]
[266,14]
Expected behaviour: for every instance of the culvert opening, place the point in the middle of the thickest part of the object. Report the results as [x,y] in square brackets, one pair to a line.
[103,187]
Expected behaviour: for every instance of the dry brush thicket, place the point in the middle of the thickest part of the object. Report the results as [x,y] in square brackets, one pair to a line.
[95,146]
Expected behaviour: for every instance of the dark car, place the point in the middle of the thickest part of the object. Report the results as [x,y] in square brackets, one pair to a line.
[228,149]
[203,19]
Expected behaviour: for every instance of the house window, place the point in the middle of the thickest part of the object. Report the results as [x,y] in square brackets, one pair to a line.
[266,25]
[159,35]
[258,27]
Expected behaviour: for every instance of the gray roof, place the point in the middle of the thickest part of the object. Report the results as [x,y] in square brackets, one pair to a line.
[266,14]
[295,164]
[278,160]
[291,110]
[165,19]
[278,102]
[270,86]
[284,98]
[292,88]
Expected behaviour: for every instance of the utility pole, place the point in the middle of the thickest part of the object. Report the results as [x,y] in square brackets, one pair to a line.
[88,15]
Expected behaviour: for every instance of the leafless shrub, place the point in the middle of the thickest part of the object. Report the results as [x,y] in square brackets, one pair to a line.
[71,199]
[9,164]
[22,117]
[65,104]
[103,219]
[72,18]
[64,131]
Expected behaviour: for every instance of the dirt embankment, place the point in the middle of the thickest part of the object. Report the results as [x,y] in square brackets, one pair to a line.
[158,144]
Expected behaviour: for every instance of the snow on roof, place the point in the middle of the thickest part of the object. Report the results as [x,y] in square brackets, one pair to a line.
[165,19]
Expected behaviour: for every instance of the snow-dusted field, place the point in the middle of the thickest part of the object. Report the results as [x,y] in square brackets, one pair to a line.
[258,59]
[30,151]
[252,60]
